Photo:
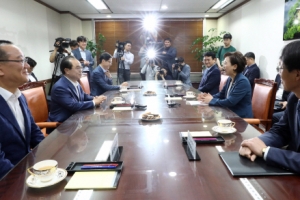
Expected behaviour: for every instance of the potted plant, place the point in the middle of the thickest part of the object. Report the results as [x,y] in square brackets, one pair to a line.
[95,48]
[209,43]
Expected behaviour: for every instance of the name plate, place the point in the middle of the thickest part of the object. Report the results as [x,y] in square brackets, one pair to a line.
[114,148]
[191,145]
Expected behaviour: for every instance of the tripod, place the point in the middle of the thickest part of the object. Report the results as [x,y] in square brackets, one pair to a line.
[55,78]
[120,65]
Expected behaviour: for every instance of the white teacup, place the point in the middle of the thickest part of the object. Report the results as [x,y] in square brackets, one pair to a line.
[225,124]
[123,87]
[117,99]
[190,93]
[178,82]
[44,170]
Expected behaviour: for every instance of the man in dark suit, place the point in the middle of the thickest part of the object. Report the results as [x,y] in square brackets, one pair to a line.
[212,76]
[32,64]
[251,71]
[287,131]
[19,133]
[67,96]
[101,78]
[168,56]
[84,56]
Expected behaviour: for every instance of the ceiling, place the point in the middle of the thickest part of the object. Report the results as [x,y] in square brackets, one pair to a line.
[137,8]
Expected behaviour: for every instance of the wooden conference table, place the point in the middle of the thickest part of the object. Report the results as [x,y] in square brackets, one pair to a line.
[155,163]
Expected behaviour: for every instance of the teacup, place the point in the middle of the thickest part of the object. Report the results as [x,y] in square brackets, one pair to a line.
[44,170]
[117,99]
[225,124]
[178,82]
[123,87]
[190,93]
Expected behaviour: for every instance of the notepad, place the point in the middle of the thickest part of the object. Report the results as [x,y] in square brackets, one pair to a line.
[173,98]
[197,103]
[122,108]
[197,134]
[93,180]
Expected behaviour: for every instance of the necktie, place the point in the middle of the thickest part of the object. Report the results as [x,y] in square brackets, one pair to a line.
[78,91]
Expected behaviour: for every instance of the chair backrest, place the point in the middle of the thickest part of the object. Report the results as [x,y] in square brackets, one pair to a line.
[35,95]
[263,98]
[223,81]
[84,82]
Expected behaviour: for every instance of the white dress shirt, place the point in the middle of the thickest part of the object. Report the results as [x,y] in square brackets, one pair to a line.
[14,105]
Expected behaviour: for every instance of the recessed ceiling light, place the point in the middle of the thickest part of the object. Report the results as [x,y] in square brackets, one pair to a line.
[98,4]
[206,15]
[221,4]
[164,7]
[108,16]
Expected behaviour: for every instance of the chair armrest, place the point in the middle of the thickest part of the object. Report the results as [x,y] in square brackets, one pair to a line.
[47,124]
[252,120]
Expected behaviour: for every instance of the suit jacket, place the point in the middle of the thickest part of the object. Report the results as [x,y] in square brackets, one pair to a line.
[252,73]
[89,58]
[13,145]
[65,102]
[100,83]
[285,94]
[284,133]
[239,99]
[211,81]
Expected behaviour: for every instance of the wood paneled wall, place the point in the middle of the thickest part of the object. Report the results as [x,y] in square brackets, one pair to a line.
[182,33]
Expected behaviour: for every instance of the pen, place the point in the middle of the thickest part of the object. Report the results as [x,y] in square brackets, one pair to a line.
[98,167]
[205,139]
[108,164]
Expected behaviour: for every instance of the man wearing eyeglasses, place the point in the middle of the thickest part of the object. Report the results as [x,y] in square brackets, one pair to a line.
[19,133]
[67,96]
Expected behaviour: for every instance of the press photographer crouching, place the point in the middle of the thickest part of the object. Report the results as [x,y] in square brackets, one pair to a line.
[161,74]
[149,69]
[181,71]
[60,51]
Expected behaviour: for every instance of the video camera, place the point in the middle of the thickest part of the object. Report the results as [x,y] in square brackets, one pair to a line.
[120,47]
[62,44]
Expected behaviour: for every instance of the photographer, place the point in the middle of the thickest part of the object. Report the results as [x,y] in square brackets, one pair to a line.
[125,59]
[149,70]
[161,74]
[181,71]
[60,51]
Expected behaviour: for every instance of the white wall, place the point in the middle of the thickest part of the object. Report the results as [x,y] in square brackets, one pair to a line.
[257,26]
[34,27]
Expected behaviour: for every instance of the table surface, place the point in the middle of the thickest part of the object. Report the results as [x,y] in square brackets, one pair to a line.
[155,163]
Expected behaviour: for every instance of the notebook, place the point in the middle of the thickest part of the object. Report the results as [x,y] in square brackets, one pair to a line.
[93,180]
[242,166]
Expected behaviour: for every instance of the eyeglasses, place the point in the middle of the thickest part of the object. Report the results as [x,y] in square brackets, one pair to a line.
[280,68]
[224,63]
[23,61]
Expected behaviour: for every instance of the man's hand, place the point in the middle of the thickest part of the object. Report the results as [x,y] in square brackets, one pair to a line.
[99,99]
[179,69]
[252,148]
[284,104]
[108,75]
[66,51]
[164,52]
[124,84]
[173,65]
[85,62]
[123,58]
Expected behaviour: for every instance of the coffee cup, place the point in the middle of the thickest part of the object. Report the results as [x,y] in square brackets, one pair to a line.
[118,99]
[190,93]
[44,170]
[225,124]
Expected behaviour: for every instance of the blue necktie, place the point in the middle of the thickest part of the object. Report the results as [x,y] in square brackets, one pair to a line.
[297,124]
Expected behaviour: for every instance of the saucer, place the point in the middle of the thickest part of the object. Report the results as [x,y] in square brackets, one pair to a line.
[34,182]
[117,102]
[189,97]
[218,130]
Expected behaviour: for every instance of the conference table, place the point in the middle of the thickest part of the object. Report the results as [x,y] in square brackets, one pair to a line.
[155,163]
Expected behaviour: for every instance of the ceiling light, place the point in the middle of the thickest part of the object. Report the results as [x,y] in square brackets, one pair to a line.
[98,4]
[221,4]
[150,22]
[164,7]
[108,16]
[206,15]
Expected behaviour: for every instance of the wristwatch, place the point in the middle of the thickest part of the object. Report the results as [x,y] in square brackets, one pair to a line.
[263,151]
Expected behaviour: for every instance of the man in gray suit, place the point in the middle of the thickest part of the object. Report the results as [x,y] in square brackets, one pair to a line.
[84,56]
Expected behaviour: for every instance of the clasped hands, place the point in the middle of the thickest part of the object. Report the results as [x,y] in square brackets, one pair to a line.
[205,97]
[99,99]
[252,148]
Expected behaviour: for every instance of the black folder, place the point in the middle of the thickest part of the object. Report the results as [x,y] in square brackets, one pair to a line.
[242,166]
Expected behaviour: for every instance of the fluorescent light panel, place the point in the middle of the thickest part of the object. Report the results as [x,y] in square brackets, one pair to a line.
[98,4]
[221,4]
